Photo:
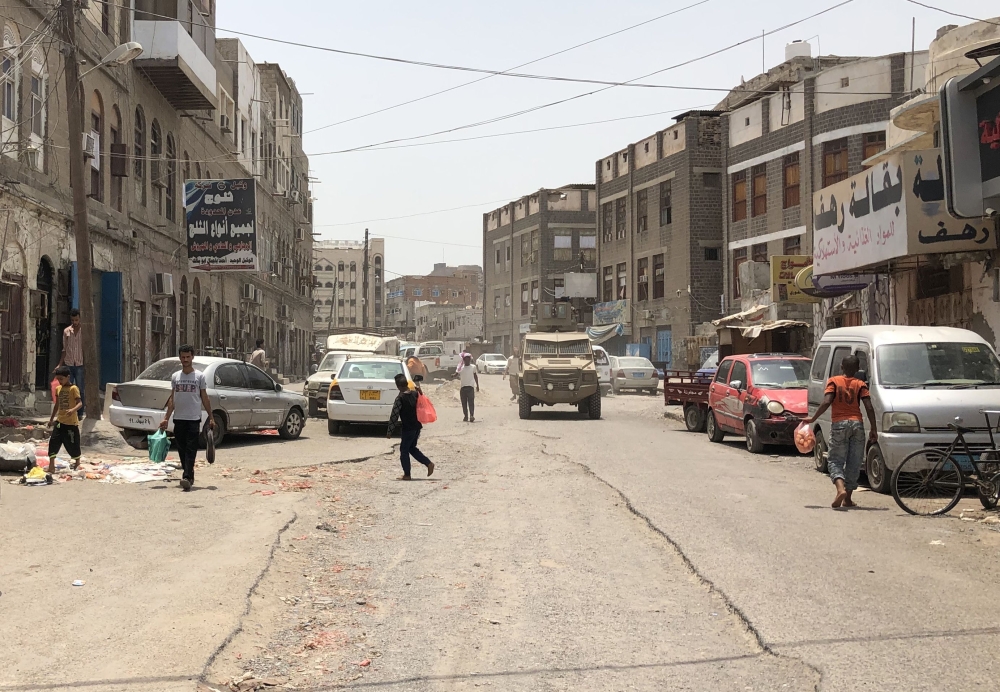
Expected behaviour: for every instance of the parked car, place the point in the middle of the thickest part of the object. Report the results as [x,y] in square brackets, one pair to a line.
[603,362]
[921,380]
[761,396]
[439,364]
[363,392]
[243,398]
[633,372]
[491,364]
[710,366]
[318,384]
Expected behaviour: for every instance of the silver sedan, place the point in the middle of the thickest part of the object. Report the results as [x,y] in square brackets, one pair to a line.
[243,397]
[632,372]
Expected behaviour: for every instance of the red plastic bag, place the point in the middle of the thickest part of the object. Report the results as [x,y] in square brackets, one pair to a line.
[425,410]
[805,440]
[53,387]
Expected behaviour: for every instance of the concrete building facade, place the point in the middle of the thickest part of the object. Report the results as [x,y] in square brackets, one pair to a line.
[190,107]
[338,293]
[529,246]
[661,249]
[454,286]
[444,322]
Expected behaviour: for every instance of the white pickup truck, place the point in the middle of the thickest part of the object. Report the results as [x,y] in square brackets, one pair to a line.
[432,354]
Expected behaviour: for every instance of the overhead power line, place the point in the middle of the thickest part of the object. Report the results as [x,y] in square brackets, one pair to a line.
[953,14]
[516,67]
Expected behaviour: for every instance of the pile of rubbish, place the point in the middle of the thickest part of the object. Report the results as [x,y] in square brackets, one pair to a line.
[34,462]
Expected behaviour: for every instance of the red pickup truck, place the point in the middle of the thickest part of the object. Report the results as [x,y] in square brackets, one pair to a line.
[688,388]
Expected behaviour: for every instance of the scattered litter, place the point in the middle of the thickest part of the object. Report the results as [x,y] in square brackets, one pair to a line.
[79,582]
[16,456]
[267,492]
[36,476]
[361,601]
[425,524]
[139,473]
[937,542]
[365,663]
[327,527]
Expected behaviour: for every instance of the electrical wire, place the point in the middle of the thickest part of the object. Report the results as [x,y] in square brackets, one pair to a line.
[516,67]
[953,14]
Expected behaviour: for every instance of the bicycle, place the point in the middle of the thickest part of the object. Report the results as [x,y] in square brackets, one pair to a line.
[931,480]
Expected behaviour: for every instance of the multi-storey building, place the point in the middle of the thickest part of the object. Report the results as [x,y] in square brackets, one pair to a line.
[660,250]
[806,124]
[529,247]
[455,286]
[338,293]
[190,107]
[444,322]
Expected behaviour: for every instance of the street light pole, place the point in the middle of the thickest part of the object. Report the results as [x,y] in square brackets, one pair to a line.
[81,226]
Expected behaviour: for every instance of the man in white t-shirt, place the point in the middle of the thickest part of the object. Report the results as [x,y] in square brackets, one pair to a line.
[470,385]
[188,395]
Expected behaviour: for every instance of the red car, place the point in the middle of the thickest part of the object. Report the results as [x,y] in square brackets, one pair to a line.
[761,396]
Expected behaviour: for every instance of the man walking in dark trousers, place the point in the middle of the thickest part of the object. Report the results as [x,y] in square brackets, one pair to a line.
[189,394]
[470,385]
[404,415]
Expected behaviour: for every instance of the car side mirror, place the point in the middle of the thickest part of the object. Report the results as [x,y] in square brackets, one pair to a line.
[736,384]
[277,387]
[862,375]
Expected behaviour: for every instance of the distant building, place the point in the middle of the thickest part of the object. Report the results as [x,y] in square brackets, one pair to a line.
[529,247]
[338,293]
[443,322]
[453,286]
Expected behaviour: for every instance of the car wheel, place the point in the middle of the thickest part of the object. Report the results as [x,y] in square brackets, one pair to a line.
[313,408]
[694,418]
[820,453]
[715,434]
[333,427]
[218,434]
[293,425]
[879,477]
[754,443]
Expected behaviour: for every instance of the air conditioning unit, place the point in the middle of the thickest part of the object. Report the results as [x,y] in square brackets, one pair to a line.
[300,233]
[295,196]
[224,124]
[259,298]
[92,149]
[163,284]
[647,314]
[158,324]
[644,279]
[283,312]
[158,172]
[276,268]
[249,291]
[287,261]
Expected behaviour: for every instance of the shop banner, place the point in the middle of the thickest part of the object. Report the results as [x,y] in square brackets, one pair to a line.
[784,269]
[895,209]
[610,313]
[221,225]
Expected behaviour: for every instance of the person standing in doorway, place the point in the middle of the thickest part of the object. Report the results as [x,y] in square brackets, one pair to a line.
[404,415]
[72,353]
[259,356]
[845,393]
[470,385]
[188,395]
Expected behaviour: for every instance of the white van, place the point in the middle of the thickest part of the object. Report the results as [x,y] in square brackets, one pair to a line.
[921,380]
[603,363]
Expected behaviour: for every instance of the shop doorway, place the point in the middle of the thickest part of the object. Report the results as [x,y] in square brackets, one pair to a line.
[44,338]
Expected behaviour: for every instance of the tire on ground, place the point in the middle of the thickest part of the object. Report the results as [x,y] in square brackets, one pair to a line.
[594,406]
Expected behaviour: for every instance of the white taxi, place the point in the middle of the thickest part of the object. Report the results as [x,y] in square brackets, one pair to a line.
[363,391]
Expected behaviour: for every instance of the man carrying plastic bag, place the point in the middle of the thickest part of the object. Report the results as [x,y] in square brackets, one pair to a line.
[404,415]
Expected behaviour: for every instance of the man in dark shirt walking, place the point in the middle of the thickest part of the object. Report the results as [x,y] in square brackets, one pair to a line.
[404,415]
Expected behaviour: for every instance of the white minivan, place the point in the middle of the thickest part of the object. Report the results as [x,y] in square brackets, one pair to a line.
[921,380]
[603,364]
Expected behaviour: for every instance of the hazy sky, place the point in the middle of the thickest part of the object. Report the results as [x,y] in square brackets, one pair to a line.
[357,188]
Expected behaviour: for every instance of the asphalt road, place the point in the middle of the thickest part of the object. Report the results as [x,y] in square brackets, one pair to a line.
[551,554]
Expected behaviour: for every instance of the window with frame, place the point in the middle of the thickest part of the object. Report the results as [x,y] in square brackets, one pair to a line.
[608,292]
[607,220]
[534,292]
[834,161]
[37,105]
[562,246]
[758,253]
[622,281]
[790,181]
[535,245]
[874,143]
[759,182]
[524,300]
[712,254]
[8,92]
[641,214]
[97,127]
[666,203]
[418,292]
[499,253]
[588,249]
[106,17]
[642,279]
[525,249]
[171,187]
[739,257]
[621,218]
[792,246]
[739,196]
[507,251]
[659,276]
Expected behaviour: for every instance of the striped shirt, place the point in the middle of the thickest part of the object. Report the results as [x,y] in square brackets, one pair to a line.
[73,346]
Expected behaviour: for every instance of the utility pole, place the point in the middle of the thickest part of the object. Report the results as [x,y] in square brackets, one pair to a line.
[364,287]
[81,224]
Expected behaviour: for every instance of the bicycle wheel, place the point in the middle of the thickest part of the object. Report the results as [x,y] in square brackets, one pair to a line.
[927,482]
[989,494]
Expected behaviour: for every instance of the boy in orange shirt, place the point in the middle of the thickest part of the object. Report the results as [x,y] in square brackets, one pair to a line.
[844,393]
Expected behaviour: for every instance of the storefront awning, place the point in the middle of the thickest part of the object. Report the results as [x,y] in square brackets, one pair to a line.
[598,335]
[753,331]
[754,314]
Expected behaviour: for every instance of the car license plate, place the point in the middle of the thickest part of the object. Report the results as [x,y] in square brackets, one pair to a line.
[371,395]
[963,461]
[141,421]
[639,375]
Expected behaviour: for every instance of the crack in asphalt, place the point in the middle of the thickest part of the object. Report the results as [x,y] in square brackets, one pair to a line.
[714,588]
[203,678]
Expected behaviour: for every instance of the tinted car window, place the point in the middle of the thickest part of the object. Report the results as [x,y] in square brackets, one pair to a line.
[374,370]
[431,351]
[863,361]
[723,374]
[230,376]
[819,362]
[839,354]
[635,363]
[258,380]
[162,370]
[601,358]
[739,372]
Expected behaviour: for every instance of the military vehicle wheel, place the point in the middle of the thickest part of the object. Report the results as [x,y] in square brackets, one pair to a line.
[594,408]
[523,406]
